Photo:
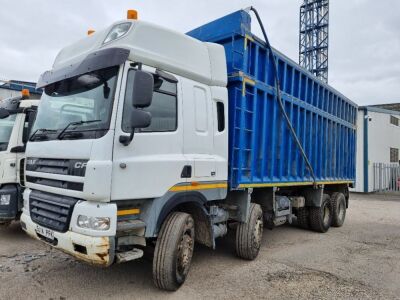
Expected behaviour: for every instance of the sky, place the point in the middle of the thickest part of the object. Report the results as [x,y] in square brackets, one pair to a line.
[364,53]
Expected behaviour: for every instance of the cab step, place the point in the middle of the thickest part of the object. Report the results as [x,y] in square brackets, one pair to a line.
[129,255]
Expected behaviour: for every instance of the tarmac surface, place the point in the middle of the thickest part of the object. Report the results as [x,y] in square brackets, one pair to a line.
[360,260]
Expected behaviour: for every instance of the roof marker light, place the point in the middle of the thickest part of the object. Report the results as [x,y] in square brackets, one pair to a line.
[132,14]
[25,93]
[90,31]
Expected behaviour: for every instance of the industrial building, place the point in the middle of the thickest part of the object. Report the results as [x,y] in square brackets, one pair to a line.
[13,88]
[378,147]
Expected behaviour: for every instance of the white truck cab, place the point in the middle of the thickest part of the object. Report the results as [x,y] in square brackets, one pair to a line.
[132,125]
[16,119]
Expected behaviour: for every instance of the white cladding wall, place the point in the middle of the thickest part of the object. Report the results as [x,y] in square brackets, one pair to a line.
[360,153]
[382,135]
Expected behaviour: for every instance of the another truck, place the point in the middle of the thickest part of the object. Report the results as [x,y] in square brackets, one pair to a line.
[16,119]
[150,138]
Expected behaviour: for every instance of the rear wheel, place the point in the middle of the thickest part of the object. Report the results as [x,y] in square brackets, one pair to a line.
[321,217]
[338,202]
[249,235]
[302,217]
[173,252]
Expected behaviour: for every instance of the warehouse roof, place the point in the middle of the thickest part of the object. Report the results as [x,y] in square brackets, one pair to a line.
[17,85]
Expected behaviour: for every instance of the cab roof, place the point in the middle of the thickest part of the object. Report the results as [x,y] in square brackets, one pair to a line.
[158,47]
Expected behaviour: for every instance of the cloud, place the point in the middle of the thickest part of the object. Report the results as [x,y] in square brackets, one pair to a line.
[364,35]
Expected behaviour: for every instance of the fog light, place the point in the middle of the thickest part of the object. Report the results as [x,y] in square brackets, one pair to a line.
[5,199]
[95,223]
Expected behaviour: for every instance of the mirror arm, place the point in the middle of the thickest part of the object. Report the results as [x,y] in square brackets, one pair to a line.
[126,140]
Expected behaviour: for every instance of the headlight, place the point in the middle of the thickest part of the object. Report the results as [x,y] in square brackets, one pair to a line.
[5,199]
[117,31]
[95,223]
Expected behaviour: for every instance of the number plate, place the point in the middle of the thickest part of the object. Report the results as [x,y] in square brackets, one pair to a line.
[45,232]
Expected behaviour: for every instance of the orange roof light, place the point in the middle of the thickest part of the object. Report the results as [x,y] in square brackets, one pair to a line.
[90,31]
[25,93]
[132,14]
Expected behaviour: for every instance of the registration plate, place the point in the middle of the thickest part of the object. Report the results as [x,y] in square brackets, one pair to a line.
[45,232]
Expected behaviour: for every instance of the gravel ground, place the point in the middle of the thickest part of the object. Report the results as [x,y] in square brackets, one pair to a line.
[361,260]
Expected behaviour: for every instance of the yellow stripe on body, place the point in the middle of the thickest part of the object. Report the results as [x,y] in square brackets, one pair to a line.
[127,212]
[195,187]
[247,38]
[255,185]
[247,80]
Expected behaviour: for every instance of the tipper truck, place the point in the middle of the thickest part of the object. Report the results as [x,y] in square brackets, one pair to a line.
[147,138]
[16,119]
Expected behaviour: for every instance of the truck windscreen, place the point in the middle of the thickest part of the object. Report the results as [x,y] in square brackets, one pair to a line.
[6,127]
[77,100]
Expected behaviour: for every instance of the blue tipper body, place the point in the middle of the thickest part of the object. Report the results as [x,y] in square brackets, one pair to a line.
[262,151]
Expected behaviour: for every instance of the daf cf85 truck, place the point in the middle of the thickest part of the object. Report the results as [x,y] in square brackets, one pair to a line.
[16,119]
[147,137]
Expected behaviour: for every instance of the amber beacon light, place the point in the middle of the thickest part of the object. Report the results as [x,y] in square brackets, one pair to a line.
[25,93]
[132,14]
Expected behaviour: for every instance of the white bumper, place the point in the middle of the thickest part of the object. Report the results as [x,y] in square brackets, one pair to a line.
[94,250]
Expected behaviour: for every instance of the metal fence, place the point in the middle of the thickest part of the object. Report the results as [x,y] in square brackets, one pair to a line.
[386,177]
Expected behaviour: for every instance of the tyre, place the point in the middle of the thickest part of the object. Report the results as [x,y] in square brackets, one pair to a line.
[249,235]
[338,203]
[321,217]
[5,224]
[302,217]
[173,251]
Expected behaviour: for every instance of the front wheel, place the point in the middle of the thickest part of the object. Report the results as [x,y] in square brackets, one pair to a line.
[173,252]
[249,235]
[4,224]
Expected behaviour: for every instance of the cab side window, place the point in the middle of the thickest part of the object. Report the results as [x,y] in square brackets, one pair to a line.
[163,107]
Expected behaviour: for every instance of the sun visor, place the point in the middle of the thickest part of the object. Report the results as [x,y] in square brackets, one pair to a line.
[97,60]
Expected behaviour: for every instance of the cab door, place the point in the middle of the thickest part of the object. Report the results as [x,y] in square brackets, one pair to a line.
[153,162]
[198,129]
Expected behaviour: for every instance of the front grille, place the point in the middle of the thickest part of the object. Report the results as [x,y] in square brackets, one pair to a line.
[69,167]
[73,167]
[76,186]
[50,210]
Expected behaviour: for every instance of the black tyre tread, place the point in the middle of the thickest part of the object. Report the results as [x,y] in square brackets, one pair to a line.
[243,238]
[302,217]
[163,270]
[335,197]
[315,219]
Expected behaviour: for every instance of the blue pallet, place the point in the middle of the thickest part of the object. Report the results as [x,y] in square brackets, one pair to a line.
[262,151]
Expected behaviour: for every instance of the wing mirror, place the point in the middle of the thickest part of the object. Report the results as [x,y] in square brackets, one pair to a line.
[138,119]
[4,113]
[142,95]
[142,89]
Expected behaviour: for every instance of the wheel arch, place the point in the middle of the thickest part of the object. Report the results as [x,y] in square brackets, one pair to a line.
[192,203]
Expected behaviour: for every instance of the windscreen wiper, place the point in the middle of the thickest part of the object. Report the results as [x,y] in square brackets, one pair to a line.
[62,133]
[43,134]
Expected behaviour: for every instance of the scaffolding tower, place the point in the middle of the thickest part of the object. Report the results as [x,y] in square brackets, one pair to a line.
[314,41]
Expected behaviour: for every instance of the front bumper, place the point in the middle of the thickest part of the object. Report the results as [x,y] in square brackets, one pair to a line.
[9,212]
[98,251]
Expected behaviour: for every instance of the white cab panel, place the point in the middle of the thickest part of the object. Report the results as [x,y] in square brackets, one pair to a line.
[152,163]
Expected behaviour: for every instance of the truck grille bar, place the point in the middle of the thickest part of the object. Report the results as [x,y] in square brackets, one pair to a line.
[72,167]
[50,210]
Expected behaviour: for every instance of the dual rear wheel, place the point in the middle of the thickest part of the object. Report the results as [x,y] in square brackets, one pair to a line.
[332,212]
